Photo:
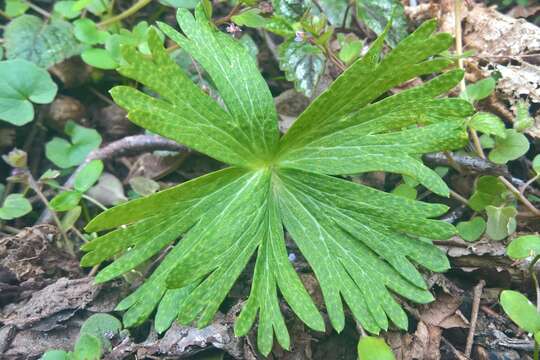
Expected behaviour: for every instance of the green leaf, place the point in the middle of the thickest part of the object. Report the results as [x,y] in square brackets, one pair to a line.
[523,120]
[536,164]
[15,8]
[488,190]
[290,9]
[524,246]
[87,347]
[67,9]
[103,327]
[372,348]
[188,4]
[55,355]
[169,306]
[28,37]
[520,310]
[66,200]
[376,14]
[406,191]
[488,124]
[143,186]
[472,230]
[22,83]
[66,154]
[501,221]
[362,244]
[250,18]
[342,133]
[71,216]
[88,175]
[303,64]
[99,58]
[351,47]
[479,90]
[335,10]
[14,206]
[96,7]
[87,32]
[228,63]
[511,147]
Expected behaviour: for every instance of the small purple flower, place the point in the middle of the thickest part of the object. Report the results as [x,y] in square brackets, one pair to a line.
[300,36]
[233,29]
[292,257]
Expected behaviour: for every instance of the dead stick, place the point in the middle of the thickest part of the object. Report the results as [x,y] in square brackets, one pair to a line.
[130,145]
[477,294]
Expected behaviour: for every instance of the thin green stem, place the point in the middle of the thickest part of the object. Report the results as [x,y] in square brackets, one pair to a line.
[536,350]
[95,202]
[35,186]
[520,196]
[127,13]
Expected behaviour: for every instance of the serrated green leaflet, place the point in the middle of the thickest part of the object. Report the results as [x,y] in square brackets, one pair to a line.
[362,244]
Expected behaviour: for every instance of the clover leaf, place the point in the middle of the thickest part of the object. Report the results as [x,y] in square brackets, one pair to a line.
[22,83]
[65,154]
[510,147]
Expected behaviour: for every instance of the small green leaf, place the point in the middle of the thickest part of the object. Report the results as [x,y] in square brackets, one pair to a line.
[406,191]
[71,216]
[66,200]
[143,186]
[251,18]
[303,64]
[351,48]
[488,124]
[67,9]
[489,190]
[335,10]
[512,147]
[374,348]
[479,90]
[290,9]
[523,120]
[55,355]
[45,44]
[15,8]
[520,310]
[22,83]
[87,347]
[102,327]
[501,221]
[524,246]
[66,154]
[99,58]
[88,175]
[487,142]
[377,13]
[15,206]
[536,164]
[96,7]
[472,230]
[186,4]
[87,32]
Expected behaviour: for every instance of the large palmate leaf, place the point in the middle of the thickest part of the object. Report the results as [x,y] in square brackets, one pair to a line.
[363,245]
